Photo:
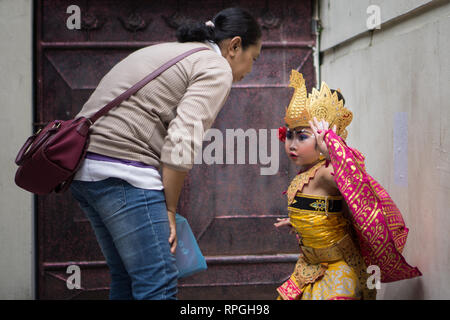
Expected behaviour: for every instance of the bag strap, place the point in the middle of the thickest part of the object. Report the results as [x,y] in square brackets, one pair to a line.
[125,95]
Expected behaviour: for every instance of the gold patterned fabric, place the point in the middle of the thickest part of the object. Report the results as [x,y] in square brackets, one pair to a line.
[300,180]
[318,229]
[339,282]
[330,265]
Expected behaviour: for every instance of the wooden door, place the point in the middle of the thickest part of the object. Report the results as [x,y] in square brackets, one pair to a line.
[231,207]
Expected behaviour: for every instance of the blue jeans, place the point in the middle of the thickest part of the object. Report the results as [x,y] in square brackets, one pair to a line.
[132,229]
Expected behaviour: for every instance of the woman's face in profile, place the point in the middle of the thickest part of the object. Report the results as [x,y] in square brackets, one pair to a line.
[241,60]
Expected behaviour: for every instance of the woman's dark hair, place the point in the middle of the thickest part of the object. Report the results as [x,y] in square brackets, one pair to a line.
[340,96]
[228,23]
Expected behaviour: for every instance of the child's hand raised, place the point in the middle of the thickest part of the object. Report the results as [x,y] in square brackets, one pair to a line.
[319,129]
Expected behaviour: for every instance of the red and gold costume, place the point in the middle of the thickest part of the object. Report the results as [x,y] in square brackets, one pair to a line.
[337,245]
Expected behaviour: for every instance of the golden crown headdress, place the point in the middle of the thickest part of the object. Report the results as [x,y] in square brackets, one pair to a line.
[322,104]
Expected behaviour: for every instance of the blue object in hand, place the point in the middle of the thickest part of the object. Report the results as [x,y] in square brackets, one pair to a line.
[189,258]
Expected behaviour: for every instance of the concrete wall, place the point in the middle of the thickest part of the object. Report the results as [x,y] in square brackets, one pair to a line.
[16,206]
[396,81]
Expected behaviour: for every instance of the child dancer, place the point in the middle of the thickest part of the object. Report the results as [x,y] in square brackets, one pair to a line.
[336,247]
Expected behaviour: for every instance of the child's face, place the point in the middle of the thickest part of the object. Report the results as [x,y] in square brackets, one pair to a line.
[300,146]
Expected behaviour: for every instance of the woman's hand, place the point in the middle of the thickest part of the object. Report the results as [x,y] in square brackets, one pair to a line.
[173,231]
[319,129]
[173,183]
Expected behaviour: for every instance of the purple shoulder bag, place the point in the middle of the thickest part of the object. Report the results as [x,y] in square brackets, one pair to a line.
[50,158]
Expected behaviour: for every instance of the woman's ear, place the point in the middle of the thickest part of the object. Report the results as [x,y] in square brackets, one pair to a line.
[234,46]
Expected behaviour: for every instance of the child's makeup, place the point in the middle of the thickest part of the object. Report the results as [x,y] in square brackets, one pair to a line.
[301,135]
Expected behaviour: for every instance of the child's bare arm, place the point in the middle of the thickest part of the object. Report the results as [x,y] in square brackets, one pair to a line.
[327,176]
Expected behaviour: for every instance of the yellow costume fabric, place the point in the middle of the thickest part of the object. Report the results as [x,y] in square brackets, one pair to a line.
[330,265]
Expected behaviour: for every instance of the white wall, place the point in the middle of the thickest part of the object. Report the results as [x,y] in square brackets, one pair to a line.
[16,206]
[396,82]
[345,19]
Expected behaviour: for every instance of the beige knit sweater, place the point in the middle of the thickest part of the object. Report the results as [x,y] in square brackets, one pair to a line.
[158,123]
